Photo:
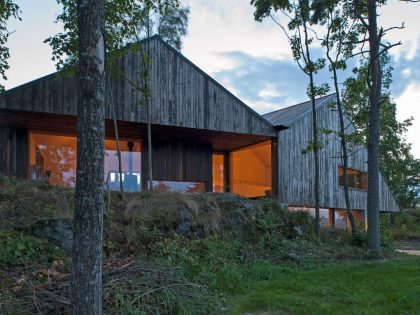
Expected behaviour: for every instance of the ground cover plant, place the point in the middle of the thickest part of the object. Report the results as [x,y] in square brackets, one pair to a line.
[171,253]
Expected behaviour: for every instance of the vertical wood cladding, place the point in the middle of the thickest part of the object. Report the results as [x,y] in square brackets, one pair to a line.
[13,152]
[296,170]
[179,161]
[182,95]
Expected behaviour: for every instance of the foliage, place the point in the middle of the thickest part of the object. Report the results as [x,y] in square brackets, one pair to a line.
[398,166]
[171,25]
[231,245]
[24,202]
[8,9]
[18,249]
[124,23]
[404,225]
[301,38]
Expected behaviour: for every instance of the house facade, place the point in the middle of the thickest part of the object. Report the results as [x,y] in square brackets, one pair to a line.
[203,137]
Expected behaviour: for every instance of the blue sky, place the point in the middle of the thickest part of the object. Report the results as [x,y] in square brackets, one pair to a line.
[253,60]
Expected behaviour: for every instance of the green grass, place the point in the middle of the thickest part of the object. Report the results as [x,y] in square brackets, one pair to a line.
[379,287]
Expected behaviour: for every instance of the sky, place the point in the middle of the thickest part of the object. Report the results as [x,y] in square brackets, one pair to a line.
[253,60]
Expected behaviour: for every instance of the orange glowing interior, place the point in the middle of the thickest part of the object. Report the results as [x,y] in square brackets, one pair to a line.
[250,170]
[53,157]
[218,170]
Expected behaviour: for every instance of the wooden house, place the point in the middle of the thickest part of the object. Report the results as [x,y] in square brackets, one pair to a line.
[204,138]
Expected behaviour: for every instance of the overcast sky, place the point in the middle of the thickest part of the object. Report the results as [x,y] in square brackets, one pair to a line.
[253,60]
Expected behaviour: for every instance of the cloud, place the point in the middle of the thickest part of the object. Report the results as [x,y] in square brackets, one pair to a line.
[267,84]
[406,71]
[408,104]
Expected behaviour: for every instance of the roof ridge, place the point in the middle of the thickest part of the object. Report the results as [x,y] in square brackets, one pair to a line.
[277,110]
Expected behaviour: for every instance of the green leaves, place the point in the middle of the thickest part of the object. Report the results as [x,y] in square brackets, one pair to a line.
[8,9]
[398,166]
[263,8]
[126,21]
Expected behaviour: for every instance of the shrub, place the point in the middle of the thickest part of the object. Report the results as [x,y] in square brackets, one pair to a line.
[18,249]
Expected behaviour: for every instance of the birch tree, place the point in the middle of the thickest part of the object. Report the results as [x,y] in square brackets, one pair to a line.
[300,36]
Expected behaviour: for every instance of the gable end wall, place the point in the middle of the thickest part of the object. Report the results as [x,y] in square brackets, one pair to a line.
[296,170]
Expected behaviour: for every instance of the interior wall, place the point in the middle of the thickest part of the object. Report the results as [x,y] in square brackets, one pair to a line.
[53,156]
[251,170]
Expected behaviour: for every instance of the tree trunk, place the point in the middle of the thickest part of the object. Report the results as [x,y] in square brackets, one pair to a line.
[117,140]
[373,237]
[343,151]
[314,131]
[86,276]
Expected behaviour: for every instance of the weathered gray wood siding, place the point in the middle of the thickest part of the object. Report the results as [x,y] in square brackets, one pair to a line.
[13,152]
[182,95]
[296,170]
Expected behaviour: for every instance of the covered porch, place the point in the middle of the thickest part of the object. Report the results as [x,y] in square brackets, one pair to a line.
[44,146]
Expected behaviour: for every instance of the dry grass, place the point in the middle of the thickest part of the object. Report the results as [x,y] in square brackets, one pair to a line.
[128,286]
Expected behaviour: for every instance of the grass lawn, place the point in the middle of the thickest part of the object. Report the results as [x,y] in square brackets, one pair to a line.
[387,287]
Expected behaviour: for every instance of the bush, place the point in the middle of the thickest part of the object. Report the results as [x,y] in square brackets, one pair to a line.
[24,202]
[18,249]
[402,225]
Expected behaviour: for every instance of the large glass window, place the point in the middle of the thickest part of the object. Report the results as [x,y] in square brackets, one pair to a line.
[333,218]
[356,179]
[324,214]
[218,172]
[250,170]
[341,220]
[52,157]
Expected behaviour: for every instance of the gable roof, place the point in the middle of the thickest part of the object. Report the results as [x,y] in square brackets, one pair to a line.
[285,117]
[183,95]
[179,54]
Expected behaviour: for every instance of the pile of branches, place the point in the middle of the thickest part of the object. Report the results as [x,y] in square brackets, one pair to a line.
[128,285]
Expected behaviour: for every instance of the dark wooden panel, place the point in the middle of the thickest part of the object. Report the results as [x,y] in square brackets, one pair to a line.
[179,161]
[13,152]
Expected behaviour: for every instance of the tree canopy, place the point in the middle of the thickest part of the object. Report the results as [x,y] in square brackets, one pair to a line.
[8,9]
[126,21]
[398,166]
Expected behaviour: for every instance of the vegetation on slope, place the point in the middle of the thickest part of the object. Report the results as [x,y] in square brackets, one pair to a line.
[172,253]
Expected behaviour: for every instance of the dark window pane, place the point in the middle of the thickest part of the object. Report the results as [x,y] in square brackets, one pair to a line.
[179,186]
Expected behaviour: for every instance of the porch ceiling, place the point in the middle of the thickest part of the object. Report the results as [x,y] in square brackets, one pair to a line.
[66,124]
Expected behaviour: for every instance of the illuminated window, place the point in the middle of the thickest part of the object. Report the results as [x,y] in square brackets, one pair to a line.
[332,218]
[343,222]
[218,173]
[179,186]
[130,164]
[250,170]
[53,157]
[356,179]
[324,214]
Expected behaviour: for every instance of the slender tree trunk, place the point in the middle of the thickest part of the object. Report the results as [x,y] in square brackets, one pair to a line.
[373,237]
[86,276]
[149,107]
[149,152]
[117,140]
[314,131]
[343,151]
